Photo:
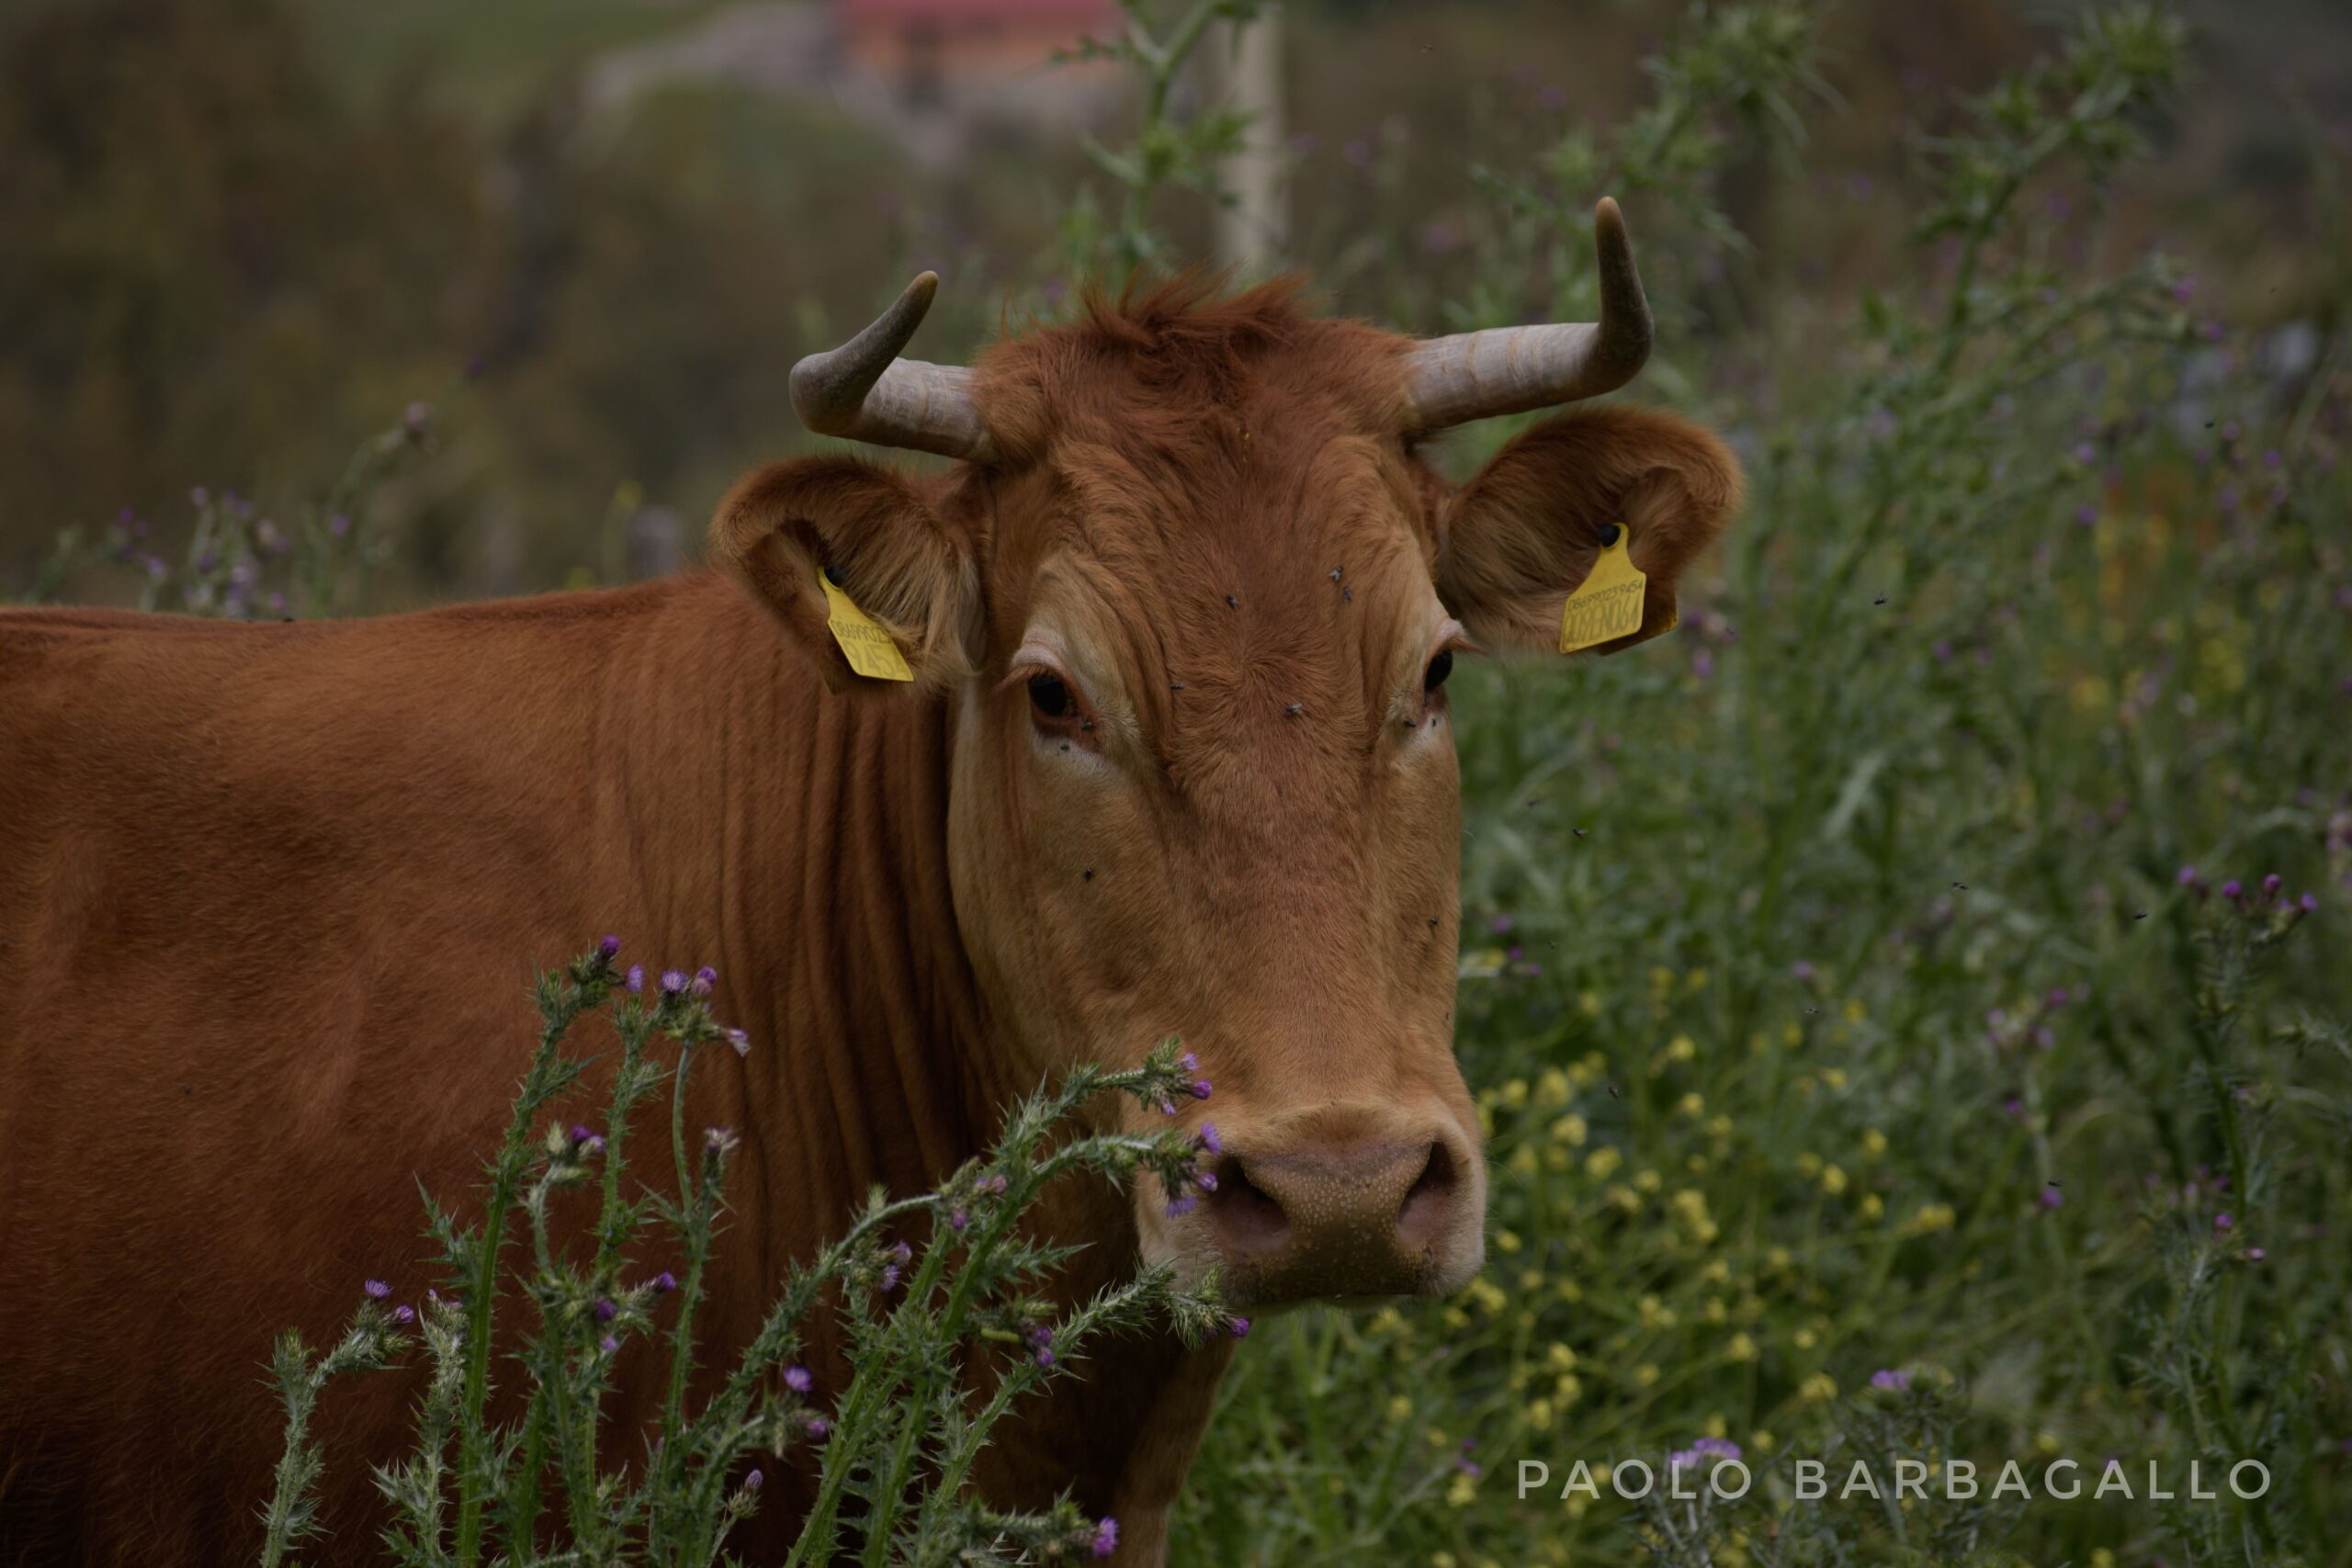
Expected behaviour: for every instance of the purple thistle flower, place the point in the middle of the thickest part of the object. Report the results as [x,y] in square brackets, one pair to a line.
[2013,1107]
[604,1309]
[1200,1088]
[719,1140]
[1892,1381]
[818,1428]
[1189,1062]
[1181,1206]
[1168,1108]
[2222,1221]
[2087,514]
[741,1041]
[417,418]
[2187,876]
[1206,1180]
[609,949]
[1239,1328]
[958,1219]
[2308,903]
[705,978]
[404,1314]
[903,1253]
[2052,1198]
[1210,1141]
[634,981]
[1044,1358]
[754,1481]
[890,1281]
[664,1282]
[798,1379]
[2231,890]
[377,1289]
[2255,1255]
[2270,885]
[1106,1537]
[608,1344]
[673,982]
[1722,1447]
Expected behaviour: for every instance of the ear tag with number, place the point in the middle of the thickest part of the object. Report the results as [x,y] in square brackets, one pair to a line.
[1608,603]
[866,645]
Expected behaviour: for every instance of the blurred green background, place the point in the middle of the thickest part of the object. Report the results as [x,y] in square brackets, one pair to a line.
[241,233]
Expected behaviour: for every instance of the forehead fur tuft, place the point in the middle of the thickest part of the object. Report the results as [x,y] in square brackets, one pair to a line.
[1184,349]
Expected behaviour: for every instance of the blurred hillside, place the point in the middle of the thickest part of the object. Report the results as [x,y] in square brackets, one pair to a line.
[596,232]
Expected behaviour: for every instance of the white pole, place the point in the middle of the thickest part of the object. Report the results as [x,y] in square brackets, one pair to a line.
[1253,233]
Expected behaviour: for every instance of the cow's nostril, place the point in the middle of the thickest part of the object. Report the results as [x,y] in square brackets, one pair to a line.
[1251,1218]
[1426,1212]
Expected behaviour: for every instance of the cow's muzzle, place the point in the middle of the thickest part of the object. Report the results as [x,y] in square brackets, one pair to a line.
[1370,1217]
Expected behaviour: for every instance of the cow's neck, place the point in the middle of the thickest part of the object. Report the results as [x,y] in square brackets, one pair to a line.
[799,842]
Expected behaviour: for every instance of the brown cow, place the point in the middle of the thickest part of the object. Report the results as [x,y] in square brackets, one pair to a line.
[1176,760]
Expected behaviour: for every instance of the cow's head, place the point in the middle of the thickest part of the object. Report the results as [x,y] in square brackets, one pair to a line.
[1194,596]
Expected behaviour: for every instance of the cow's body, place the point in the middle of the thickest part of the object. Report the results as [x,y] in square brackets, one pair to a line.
[1177,759]
[272,897]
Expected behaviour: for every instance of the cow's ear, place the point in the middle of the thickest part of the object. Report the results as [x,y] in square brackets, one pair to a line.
[888,552]
[1519,538]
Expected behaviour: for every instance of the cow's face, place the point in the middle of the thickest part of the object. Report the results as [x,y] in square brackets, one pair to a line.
[1195,623]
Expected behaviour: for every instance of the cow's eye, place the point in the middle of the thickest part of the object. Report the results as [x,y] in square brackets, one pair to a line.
[1440,668]
[1051,697]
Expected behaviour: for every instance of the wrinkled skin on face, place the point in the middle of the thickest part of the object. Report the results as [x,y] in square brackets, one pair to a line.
[1193,624]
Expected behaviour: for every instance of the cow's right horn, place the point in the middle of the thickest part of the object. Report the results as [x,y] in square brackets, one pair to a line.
[863,392]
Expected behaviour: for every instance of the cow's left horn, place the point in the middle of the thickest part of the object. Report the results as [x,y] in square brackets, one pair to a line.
[1451,381]
[863,392]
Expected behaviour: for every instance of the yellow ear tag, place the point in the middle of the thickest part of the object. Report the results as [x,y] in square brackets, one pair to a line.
[1608,603]
[866,645]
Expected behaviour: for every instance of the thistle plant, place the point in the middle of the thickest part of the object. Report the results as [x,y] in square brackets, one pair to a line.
[242,563]
[1170,149]
[946,1299]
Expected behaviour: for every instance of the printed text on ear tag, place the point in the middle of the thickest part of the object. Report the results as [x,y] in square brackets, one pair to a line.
[867,647]
[1608,603]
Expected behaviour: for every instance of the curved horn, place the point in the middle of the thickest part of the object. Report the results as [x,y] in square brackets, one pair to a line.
[863,392]
[1451,380]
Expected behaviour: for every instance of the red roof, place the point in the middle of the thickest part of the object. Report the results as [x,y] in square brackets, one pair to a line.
[1078,16]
